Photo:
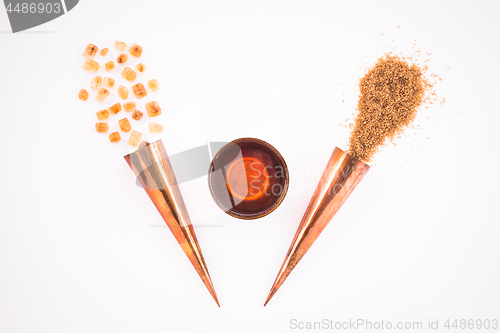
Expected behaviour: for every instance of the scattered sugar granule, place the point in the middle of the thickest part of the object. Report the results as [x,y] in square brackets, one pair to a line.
[122,58]
[139,90]
[102,94]
[155,127]
[129,74]
[124,125]
[153,109]
[123,92]
[121,46]
[90,51]
[91,65]
[153,85]
[96,82]
[115,108]
[135,50]
[108,82]
[135,138]
[102,115]
[83,94]
[141,68]
[129,106]
[101,127]
[109,65]
[137,115]
[114,137]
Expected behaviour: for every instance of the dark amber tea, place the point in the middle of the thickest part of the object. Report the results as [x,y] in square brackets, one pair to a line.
[248,178]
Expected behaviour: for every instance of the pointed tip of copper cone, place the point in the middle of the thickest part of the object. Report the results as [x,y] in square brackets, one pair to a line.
[285,270]
[212,292]
[214,295]
[208,283]
[268,298]
[193,252]
[273,291]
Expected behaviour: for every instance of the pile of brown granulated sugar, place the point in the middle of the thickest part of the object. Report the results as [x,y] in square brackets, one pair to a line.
[391,92]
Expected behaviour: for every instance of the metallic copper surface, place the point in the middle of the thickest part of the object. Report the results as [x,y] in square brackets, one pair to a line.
[152,168]
[341,176]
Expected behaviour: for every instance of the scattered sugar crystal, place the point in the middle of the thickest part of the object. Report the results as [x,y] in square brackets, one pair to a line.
[120,45]
[114,137]
[91,65]
[90,51]
[102,115]
[122,58]
[153,85]
[155,127]
[137,115]
[129,106]
[101,127]
[153,109]
[109,65]
[123,92]
[115,108]
[108,82]
[124,125]
[102,94]
[135,50]
[135,138]
[139,90]
[96,82]
[129,74]
[83,95]
[104,51]
[141,68]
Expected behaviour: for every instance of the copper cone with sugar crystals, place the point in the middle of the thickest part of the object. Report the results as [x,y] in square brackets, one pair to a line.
[152,168]
[341,176]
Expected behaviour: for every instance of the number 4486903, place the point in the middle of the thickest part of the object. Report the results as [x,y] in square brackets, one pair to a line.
[34,8]
[472,324]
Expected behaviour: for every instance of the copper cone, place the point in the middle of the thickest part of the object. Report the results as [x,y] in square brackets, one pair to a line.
[341,176]
[152,168]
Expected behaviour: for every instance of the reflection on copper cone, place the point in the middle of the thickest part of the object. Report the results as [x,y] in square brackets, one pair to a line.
[152,168]
[342,174]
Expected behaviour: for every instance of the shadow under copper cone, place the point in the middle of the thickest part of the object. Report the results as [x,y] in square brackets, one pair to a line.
[152,168]
[341,176]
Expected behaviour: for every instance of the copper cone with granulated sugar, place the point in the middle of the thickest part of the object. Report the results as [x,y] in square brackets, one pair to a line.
[341,176]
[152,168]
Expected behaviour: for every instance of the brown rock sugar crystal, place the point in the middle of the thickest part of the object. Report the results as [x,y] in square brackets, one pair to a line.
[137,115]
[90,51]
[391,92]
[83,95]
[114,137]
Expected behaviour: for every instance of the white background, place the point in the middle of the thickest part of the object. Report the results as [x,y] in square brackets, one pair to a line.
[82,248]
